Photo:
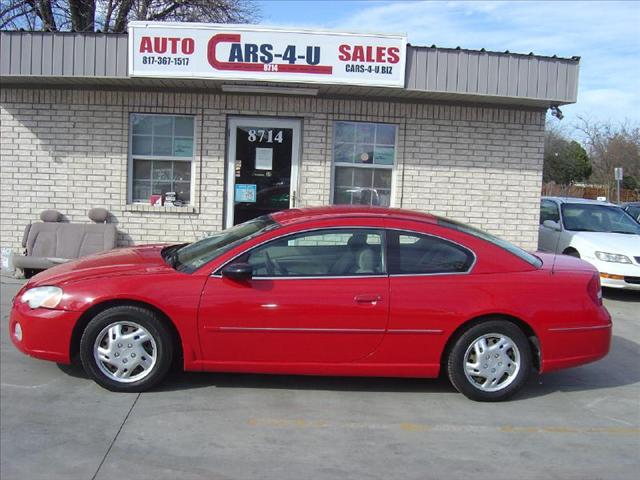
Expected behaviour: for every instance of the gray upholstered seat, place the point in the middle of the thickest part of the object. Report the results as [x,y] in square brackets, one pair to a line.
[51,242]
[367,261]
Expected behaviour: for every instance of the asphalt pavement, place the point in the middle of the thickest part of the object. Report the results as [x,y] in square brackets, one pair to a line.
[581,424]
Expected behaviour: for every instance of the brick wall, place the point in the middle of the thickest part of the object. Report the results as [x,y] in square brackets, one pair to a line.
[68,150]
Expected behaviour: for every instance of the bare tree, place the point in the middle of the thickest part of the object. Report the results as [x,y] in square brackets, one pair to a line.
[31,15]
[611,146]
[83,14]
[114,15]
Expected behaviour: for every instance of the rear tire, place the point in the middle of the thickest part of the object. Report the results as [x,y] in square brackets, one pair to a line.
[126,349]
[490,361]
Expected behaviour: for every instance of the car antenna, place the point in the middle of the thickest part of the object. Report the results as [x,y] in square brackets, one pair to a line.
[195,236]
[555,252]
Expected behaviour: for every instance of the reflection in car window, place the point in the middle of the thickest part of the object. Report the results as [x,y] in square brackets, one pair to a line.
[412,253]
[335,252]
[487,237]
[585,217]
[194,255]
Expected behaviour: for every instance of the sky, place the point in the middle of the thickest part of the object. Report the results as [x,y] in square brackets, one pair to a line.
[606,35]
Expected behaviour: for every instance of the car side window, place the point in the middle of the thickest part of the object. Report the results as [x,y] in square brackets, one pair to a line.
[549,211]
[320,253]
[414,253]
[634,211]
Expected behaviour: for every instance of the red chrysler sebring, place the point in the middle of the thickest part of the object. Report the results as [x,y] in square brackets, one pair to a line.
[328,291]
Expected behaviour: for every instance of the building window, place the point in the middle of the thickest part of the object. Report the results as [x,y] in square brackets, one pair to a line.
[363,159]
[161,151]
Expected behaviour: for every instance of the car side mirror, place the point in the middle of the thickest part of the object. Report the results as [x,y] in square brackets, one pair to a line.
[555,226]
[238,271]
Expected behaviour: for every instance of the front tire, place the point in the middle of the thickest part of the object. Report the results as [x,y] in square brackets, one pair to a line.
[490,361]
[126,349]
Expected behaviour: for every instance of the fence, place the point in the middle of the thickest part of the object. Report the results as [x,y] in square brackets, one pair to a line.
[588,191]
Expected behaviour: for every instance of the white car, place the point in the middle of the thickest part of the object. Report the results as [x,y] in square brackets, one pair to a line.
[601,233]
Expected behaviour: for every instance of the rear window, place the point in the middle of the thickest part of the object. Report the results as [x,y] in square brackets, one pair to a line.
[487,237]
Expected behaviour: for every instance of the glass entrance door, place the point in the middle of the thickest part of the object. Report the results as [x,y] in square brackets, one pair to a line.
[262,167]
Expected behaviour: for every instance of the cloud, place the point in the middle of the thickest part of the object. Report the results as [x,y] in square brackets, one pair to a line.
[604,34]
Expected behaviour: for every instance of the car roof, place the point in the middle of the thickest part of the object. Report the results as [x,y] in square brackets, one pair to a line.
[298,215]
[579,200]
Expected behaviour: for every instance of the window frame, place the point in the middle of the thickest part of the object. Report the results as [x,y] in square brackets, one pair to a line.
[368,166]
[383,252]
[401,231]
[131,157]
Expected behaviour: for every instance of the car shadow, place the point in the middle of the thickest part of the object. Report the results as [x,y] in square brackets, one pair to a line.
[622,295]
[74,369]
[617,369]
[188,380]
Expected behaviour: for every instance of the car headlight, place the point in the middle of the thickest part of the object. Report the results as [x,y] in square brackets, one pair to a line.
[612,257]
[42,297]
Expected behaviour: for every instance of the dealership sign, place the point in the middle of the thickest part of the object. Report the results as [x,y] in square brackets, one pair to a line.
[232,52]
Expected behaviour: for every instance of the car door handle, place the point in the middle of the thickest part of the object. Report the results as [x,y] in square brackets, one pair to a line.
[372,299]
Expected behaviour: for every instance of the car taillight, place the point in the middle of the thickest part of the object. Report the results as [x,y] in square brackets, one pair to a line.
[594,290]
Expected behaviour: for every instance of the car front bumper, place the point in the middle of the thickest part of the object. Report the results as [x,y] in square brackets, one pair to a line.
[617,275]
[42,333]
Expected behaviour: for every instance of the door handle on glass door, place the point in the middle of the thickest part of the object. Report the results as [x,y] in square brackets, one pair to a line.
[372,299]
[293,199]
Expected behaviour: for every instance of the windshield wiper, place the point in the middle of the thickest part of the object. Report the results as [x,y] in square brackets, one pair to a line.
[626,232]
[170,255]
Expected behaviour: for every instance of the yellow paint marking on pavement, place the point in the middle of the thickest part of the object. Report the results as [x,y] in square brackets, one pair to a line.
[412,427]
[511,429]
[623,430]
[561,430]
[614,430]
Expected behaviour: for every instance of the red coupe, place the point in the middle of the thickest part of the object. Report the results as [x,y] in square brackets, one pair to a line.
[328,291]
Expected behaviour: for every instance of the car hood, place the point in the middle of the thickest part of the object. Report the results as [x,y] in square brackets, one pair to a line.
[120,261]
[624,244]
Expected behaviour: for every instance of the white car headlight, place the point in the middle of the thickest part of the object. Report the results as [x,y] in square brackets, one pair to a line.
[42,297]
[612,257]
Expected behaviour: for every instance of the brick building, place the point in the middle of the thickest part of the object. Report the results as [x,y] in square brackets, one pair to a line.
[462,136]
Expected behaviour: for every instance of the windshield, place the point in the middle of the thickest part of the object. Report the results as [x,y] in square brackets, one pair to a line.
[586,217]
[190,257]
[476,232]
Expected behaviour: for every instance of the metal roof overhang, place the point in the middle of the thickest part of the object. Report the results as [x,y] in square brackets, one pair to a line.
[324,91]
[99,61]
